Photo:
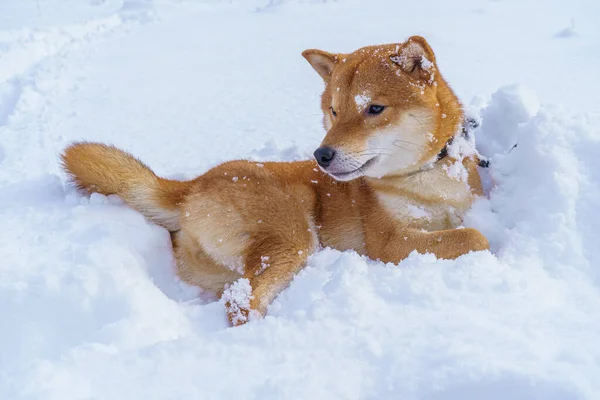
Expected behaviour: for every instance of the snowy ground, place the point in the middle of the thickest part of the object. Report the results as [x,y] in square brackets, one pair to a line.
[89,304]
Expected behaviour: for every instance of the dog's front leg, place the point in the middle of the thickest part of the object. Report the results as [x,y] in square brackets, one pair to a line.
[447,244]
[270,267]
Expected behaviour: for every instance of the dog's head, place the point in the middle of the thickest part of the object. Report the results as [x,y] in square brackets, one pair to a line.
[383,106]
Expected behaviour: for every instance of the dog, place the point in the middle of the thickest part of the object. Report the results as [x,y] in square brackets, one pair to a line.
[388,178]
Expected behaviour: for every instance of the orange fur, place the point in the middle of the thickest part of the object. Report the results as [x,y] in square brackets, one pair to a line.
[383,196]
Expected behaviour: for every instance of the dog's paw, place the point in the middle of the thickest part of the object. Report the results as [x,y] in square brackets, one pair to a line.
[237,298]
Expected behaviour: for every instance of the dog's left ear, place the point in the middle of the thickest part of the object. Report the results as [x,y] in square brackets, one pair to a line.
[322,61]
[416,58]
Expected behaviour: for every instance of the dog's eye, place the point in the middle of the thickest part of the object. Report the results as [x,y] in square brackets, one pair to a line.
[333,111]
[375,109]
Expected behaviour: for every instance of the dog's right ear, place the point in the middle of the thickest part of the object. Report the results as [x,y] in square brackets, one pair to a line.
[322,61]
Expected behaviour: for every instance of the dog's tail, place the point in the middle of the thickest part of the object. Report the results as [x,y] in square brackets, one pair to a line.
[96,167]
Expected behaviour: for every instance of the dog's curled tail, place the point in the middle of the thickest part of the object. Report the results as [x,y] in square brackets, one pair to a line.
[105,169]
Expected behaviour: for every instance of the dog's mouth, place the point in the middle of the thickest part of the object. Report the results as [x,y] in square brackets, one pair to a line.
[355,173]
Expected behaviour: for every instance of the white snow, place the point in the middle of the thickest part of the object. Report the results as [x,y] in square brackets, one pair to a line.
[460,148]
[426,64]
[236,301]
[418,212]
[90,304]
[362,101]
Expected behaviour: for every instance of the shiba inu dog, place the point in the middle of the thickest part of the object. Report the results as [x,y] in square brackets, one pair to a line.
[390,177]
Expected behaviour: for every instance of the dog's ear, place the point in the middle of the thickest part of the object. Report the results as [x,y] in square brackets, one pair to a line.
[416,58]
[322,61]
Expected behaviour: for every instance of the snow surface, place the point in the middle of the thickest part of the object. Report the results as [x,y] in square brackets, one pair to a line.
[90,305]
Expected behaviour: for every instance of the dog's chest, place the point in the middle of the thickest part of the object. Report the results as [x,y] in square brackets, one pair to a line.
[429,200]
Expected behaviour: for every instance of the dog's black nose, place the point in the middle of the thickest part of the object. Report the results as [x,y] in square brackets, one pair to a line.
[324,155]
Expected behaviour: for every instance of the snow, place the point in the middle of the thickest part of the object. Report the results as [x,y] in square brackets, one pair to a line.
[462,146]
[236,299]
[501,129]
[91,306]
[362,101]
[418,212]
[426,64]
